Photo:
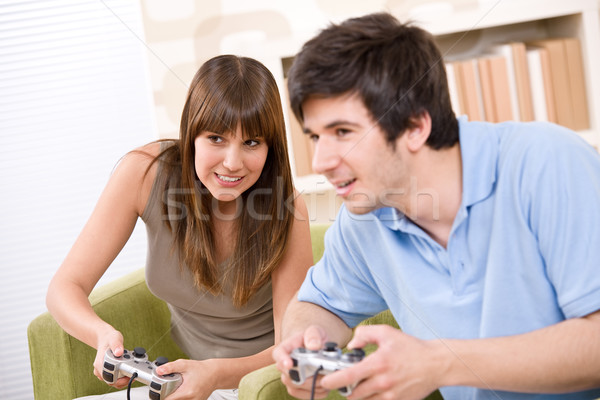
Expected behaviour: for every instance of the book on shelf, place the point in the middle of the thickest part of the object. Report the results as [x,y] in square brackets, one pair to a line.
[541,84]
[469,89]
[495,88]
[518,79]
[453,88]
[487,92]
[523,81]
[581,119]
[559,75]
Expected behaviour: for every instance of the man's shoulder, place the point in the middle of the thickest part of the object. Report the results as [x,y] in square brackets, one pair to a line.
[538,134]
[536,142]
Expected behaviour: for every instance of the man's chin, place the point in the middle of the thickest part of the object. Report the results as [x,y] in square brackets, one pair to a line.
[359,208]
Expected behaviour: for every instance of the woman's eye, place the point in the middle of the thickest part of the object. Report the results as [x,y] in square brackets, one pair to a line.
[215,139]
[252,143]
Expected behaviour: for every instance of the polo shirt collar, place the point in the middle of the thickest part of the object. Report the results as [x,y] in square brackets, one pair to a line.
[479,149]
[479,154]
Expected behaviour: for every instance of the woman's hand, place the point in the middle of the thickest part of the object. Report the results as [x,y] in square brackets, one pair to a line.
[113,340]
[200,378]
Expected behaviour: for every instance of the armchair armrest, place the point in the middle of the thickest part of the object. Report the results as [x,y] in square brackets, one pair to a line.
[61,365]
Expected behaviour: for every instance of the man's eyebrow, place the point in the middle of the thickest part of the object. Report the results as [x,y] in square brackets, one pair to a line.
[333,124]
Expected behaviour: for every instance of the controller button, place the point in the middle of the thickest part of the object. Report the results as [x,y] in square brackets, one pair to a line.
[294,362]
[127,356]
[139,352]
[161,361]
[107,376]
[154,395]
[294,375]
[109,366]
[355,355]
[330,346]
[156,386]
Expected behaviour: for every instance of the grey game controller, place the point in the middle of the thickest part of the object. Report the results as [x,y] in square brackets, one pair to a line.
[136,361]
[326,361]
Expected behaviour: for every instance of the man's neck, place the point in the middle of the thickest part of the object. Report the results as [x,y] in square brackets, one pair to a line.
[438,192]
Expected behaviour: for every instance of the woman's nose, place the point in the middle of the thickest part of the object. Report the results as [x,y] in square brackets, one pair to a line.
[233,159]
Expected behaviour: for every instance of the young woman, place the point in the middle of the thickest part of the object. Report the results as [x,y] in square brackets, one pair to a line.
[229,237]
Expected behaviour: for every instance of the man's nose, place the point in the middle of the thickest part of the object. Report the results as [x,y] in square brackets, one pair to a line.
[326,156]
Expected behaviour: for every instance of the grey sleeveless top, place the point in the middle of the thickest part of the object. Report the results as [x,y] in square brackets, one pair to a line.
[202,324]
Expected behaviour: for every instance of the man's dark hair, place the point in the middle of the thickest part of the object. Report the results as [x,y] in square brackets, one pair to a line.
[396,69]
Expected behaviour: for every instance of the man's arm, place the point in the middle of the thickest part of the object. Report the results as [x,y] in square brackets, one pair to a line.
[300,315]
[557,359]
[560,358]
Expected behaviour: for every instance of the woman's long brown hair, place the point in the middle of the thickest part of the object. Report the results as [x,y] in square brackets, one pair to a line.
[228,91]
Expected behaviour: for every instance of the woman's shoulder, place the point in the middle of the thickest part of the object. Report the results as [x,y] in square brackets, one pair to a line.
[143,159]
[136,163]
[139,168]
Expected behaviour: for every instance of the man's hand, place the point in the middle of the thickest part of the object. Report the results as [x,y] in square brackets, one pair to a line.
[402,367]
[313,338]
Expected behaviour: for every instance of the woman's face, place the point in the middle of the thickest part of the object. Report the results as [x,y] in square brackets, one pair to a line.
[228,164]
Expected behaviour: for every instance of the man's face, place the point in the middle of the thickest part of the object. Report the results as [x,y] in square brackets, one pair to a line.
[351,151]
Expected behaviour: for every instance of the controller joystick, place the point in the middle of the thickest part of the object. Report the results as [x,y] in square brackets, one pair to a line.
[326,361]
[136,361]
[160,361]
[139,352]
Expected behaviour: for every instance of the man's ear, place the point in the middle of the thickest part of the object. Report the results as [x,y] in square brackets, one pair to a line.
[417,136]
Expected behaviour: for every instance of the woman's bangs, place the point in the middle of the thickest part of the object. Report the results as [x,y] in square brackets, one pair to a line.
[257,124]
[218,117]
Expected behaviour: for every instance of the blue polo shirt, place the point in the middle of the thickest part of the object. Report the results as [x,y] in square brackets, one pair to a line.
[523,252]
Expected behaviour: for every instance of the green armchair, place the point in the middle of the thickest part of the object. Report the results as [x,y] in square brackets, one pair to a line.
[61,365]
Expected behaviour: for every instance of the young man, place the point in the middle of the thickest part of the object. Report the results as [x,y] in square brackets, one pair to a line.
[482,239]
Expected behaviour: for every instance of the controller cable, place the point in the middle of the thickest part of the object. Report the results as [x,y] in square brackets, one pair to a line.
[135,375]
[314,382]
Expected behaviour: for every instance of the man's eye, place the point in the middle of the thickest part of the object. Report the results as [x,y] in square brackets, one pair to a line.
[313,138]
[342,132]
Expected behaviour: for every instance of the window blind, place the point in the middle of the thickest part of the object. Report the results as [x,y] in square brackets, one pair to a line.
[74,98]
